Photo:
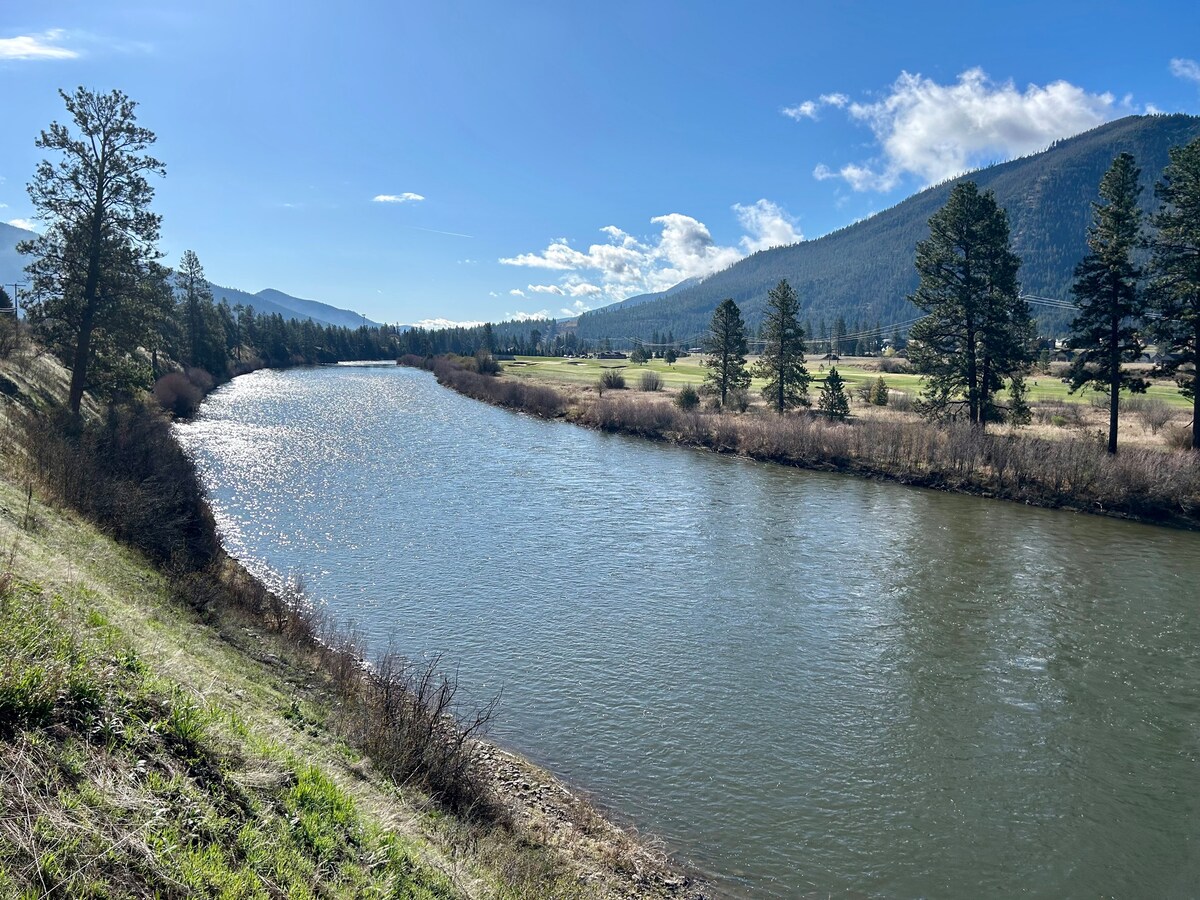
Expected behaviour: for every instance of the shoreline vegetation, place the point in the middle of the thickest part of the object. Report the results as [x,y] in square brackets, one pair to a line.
[1155,486]
[169,726]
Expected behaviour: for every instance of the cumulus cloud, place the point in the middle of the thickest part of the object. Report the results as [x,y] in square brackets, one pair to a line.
[625,265]
[406,197]
[27,224]
[805,110]
[47,45]
[935,131]
[767,225]
[516,292]
[1187,69]
[540,316]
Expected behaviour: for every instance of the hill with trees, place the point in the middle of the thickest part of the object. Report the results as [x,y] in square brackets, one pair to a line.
[268,302]
[864,273]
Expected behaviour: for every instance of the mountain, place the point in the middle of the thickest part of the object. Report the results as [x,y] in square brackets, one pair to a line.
[265,302]
[864,272]
[270,301]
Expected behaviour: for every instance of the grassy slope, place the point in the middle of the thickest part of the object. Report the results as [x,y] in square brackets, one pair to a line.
[146,751]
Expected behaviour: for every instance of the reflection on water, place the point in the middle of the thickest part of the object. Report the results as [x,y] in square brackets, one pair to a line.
[804,682]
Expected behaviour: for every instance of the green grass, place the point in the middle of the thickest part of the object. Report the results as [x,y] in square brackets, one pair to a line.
[586,372]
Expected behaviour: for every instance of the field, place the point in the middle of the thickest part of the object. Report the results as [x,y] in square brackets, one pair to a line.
[855,370]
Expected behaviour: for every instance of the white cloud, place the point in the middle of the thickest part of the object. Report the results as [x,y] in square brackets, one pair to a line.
[1152,110]
[1187,69]
[406,197]
[936,131]
[539,316]
[27,224]
[805,110]
[768,226]
[625,265]
[516,292]
[46,45]
[468,262]
[575,309]
[444,323]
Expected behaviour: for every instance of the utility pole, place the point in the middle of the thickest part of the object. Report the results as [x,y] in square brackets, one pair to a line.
[15,296]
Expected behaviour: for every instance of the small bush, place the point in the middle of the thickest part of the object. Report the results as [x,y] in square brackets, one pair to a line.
[1178,437]
[688,398]
[612,379]
[894,365]
[651,381]
[177,395]
[738,400]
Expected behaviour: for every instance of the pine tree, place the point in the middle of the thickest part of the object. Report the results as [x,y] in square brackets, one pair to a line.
[782,361]
[1175,265]
[726,347]
[878,395]
[833,401]
[978,330]
[95,267]
[1105,333]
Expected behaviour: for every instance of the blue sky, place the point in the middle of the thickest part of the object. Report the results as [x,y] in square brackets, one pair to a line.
[477,161]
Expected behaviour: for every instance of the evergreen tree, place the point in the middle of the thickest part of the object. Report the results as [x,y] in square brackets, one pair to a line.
[1105,333]
[726,347]
[6,303]
[782,361]
[878,395]
[833,401]
[1175,265]
[978,329]
[95,267]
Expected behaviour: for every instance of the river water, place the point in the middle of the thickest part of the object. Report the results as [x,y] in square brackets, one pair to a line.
[805,683]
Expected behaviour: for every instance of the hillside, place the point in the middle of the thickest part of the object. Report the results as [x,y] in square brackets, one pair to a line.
[266,302]
[865,271]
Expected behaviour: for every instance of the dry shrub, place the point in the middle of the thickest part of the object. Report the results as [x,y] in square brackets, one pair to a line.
[175,393]
[127,474]
[1153,412]
[651,381]
[894,365]
[612,379]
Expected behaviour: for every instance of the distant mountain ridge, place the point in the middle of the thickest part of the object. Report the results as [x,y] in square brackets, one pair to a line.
[266,302]
[865,271]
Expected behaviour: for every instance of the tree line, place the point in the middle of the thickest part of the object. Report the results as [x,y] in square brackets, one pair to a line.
[977,337]
[100,297]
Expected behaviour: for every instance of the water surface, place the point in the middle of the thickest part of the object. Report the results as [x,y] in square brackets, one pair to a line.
[804,682]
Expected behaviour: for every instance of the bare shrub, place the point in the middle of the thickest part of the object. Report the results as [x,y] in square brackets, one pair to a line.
[1178,437]
[894,365]
[901,401]
[175,393]
[651,381]
[408,719]
[612,379]
[1153,412]
[128,474]
[738,400]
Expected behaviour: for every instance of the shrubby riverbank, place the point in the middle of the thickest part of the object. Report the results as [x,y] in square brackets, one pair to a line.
[168,726]
[1155,486]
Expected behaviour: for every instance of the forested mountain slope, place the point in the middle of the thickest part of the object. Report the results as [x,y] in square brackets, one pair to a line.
[864,272]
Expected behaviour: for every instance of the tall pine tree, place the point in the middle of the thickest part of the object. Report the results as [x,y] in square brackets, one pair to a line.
[782,361]
[1175,266]
[95,268]
[726,347]
[978,330]
[1107,288]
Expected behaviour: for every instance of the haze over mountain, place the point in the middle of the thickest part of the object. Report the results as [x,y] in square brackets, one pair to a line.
[865,271]
[265,302]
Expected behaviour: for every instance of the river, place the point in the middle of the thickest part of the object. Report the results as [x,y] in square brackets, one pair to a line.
[805,683]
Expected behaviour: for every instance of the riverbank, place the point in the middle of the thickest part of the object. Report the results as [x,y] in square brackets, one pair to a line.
[1149,485]
[169,727]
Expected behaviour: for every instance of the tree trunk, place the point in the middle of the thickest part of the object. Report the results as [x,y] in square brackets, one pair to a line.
[1114,385]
